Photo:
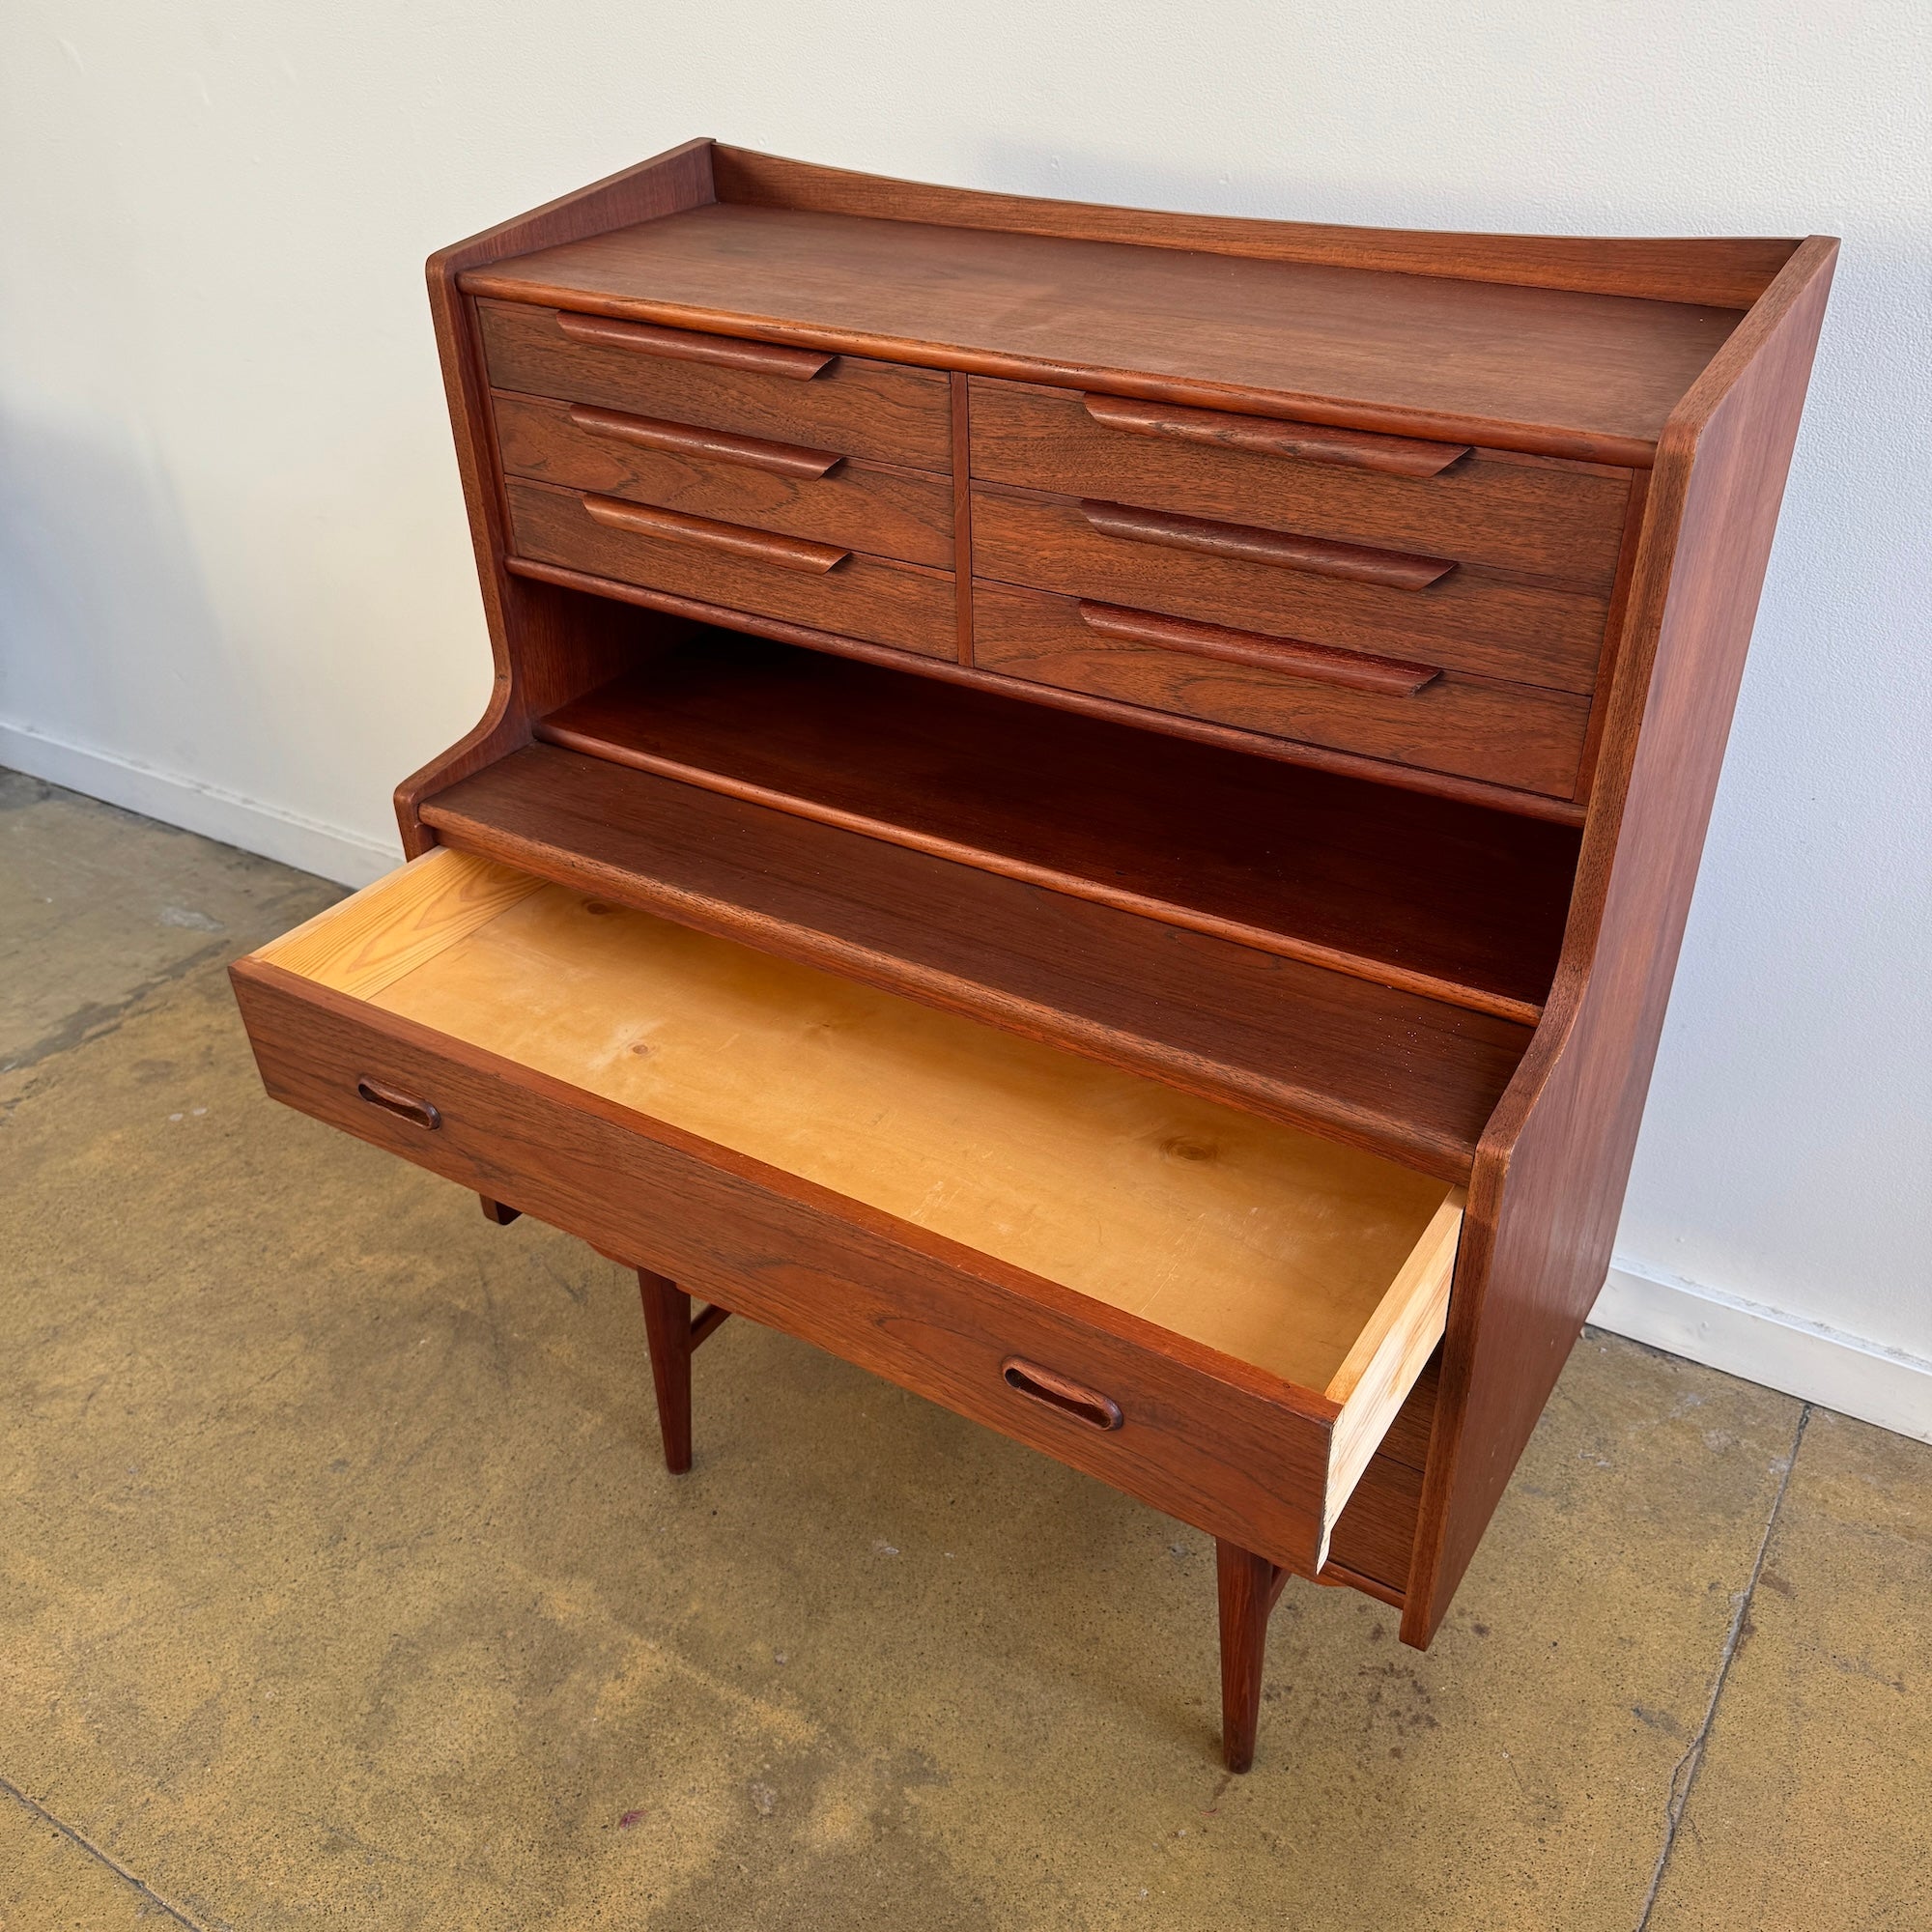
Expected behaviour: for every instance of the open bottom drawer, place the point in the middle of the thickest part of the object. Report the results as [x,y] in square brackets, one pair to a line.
[1216,1313]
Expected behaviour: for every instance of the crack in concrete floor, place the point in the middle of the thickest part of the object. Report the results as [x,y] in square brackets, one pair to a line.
[79,1839]
[1684,1774]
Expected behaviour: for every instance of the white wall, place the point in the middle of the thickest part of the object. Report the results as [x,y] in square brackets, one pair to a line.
[237,588]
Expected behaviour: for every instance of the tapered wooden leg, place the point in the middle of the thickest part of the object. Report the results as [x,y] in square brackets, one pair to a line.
[667,1326]
[1248,1586]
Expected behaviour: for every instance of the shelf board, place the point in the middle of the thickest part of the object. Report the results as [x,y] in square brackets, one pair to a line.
[1450,900]
[1404,1076]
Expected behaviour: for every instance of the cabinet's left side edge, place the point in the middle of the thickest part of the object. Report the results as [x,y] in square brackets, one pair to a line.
[541,657]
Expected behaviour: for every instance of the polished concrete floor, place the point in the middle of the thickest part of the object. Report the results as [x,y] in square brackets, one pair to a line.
[340,1583]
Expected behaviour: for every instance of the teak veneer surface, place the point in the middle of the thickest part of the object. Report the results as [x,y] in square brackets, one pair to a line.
[1547,357]
[1435,896]
[1592,376]
[1270,1245]
[1389,1072]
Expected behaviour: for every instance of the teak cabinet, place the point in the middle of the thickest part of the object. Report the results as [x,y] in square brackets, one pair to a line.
[1090,810]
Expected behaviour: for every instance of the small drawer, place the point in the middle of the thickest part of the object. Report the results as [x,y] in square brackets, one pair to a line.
[1517,735]
[843,403]
[1554,519]
[766,574]
[1347,596]
[798,492]
[1217,1314]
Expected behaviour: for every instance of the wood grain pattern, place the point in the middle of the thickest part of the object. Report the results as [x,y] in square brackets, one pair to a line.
[1727,272]
[782,553]
[1555,521]
[781,459]
[1246,1586]
[682,344]
[962,335]
[1248,1236]
[1516,735]
[1549,1182]
[858,505]
[900,605]
[1544,370]
[1392,455]
[1468,621]
[1354,563]
[668,1329]
[390,929]
[1411,1078]
[546,646]
[1209,1438]
[1433,896]
[1196,730]
[1350,670]
[1389,1353]
[859,408]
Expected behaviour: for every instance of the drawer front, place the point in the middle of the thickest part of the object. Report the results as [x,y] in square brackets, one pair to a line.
[928,1315]
[1532,514]
[1460,621]
[771,487]
[909,609]
[1515,735]
[877,410]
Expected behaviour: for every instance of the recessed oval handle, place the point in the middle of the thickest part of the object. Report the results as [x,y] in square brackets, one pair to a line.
[688,345]
[781,459]
[1321,663]
[705,533]
[1056,1391]
[1312,442]
[1392,569]
[405,1106]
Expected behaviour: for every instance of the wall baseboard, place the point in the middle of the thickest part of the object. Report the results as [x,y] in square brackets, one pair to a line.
[348,858]
[1801,1358]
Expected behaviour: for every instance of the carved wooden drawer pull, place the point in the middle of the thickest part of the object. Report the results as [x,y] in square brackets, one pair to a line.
[1312,442]
[781,459]
[704,533]
[1353,671]
[1044,1386]
[1389,568]
[405,1106]
[688,345]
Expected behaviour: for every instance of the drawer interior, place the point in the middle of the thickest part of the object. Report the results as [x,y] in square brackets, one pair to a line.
[1322,1266]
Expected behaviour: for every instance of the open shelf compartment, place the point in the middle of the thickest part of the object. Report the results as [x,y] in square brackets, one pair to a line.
[1455,901]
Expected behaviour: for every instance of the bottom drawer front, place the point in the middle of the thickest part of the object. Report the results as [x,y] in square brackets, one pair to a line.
[930,1316]
[1517,735]
[864,597]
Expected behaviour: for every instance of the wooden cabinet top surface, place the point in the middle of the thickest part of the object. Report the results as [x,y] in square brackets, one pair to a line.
[1586,373]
